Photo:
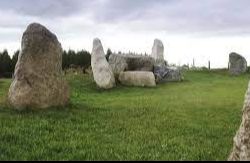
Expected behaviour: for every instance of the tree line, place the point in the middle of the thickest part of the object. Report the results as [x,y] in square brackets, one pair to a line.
[73,59]
[7,63]
[70,59]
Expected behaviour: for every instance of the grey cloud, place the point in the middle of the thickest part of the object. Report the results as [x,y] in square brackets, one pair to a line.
[115,10]
[45,8]
[176,16]
[208,16]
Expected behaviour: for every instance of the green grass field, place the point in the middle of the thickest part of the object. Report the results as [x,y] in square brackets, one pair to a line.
[192,120]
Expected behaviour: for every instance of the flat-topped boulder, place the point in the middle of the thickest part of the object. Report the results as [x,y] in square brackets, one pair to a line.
[38,78]
[102,72]
[137,78]
[128,62]
[241,147]
[237,64]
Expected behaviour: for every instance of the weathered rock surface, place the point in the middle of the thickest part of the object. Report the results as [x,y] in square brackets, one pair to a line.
[38,81]
[158,52]
[237,64]
[102,72]
[120,63]
[137,78]
[241,149]
[167,74]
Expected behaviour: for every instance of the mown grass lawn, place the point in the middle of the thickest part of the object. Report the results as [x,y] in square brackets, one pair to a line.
[192,120]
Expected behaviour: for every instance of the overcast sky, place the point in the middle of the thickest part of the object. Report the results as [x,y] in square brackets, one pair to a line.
[200,29]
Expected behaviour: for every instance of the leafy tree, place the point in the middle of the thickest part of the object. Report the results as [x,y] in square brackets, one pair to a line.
[109,52]
[65,62]
[76,59]
[5,64]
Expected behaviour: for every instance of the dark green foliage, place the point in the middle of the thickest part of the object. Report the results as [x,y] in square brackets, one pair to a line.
[76,59]
[248,69]
[5,65]
[109,52]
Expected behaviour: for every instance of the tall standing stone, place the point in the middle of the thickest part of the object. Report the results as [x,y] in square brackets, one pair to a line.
[102,72]
[237,64]
[158,52]
[38,80]
[241,149]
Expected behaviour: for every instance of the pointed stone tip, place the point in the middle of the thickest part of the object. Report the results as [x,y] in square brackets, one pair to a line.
[35,24]
[234,54]
[96,41]
[37,28]
[158,41]
[97,46]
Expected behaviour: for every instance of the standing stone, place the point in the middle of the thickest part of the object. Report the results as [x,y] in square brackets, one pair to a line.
[158,52]
[128,62]
[38,80]
[241,149]
[167,74]
[102,72]
[237,64]
[137,78]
